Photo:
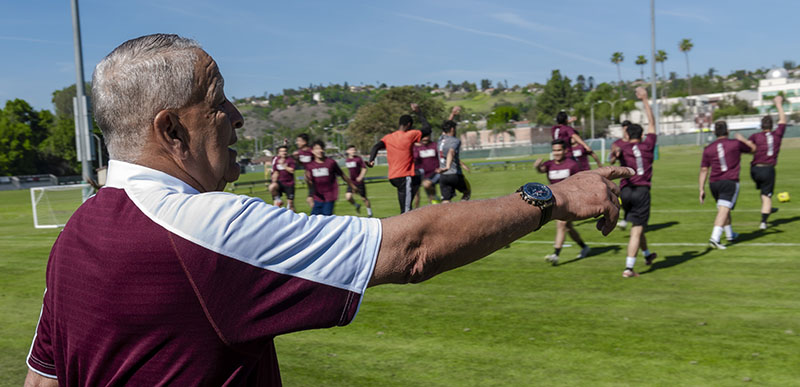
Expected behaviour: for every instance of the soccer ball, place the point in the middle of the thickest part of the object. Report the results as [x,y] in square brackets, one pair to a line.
[783,197]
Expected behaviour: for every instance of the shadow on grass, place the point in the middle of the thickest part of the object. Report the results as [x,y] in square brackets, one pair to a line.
[675,260]
[755,234]
[659,226]
[595,252]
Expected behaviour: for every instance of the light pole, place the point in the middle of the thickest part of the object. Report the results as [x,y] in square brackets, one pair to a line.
[99,151]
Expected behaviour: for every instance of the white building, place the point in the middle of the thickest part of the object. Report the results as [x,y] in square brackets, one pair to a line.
[778,80]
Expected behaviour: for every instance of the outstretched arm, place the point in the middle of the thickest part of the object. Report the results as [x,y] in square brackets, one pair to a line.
[747,142]
[579,140]
[454,112]
[425,126]
[35,380]
[641,93]
[779,105]
[539,166]
[414,249]
[374,153]
[597,159]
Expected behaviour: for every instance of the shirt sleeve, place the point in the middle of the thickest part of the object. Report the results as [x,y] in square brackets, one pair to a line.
[415,135]
[40,358]
[259,270]
[336,169]
[781,129]
[651,140]
[744,148]
[705,162]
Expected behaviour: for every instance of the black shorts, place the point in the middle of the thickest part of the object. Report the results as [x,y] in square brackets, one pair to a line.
[764,178]
[636,203]
[448,184]
[285,189]
[407,188]
[725,192]
[361,189]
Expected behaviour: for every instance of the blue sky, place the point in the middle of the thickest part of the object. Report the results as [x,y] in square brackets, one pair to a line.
[266,46]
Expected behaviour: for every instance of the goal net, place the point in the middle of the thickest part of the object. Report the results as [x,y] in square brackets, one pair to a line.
[53,205]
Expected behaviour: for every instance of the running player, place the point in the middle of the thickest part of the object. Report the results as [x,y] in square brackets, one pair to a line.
[722,157]
[614,157]
[450,165]
[566,133]
[398,145]
[762,168]
[282,173]
[358,169]
[581,155]
[635,191]
[322,172]
[304,156]
[557,169]
[426,161]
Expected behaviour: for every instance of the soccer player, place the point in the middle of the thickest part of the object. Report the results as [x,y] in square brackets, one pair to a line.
[426,161]
[762,168]
[322,172]
[614,157]
[303,155]
[635,191]
[398,145]
[450,165]
[581,155]
[358,169]
[282,173]
[564,132]
[722,157]
[557,169]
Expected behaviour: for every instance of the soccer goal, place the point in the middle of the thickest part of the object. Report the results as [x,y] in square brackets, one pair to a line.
[54,204]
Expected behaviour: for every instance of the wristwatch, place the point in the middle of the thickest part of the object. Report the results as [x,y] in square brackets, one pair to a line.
[541,196]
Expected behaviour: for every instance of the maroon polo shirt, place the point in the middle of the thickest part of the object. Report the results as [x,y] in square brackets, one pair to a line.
[354,165]
[284,177]
[639,156]
[768,144]
[426,158]
[722,157]
[323,176]
[559,171]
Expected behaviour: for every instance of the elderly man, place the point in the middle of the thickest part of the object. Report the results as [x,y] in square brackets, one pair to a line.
[162,278]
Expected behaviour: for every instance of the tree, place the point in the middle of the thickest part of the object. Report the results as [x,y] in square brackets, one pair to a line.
[22,128]
[374,120]
[580,81]
[486,84]
[617,58]
[557,95]
[685,45]
[62,99]
[789,64]
[641,61]
[733,107]
[501,116]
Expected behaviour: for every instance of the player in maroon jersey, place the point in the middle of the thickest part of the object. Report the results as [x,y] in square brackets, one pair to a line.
[614,157]
[557,169]
[638,154]
[358,170]
[303,156]
[282,176]
[722,158]
[762,168]
[581,155]
[322,172]
[562,131]
[426,161]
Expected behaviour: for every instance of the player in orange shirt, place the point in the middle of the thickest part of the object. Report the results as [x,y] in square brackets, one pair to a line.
[399,147]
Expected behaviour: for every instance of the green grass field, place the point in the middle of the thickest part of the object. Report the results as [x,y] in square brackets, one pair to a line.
[483,103]
[696,317]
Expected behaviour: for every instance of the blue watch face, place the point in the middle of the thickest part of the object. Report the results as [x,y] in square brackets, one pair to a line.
[537,191]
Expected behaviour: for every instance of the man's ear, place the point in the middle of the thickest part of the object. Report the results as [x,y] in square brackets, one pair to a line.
[170,134]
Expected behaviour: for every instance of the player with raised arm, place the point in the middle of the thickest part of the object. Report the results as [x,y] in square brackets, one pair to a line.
[282,173]
[358,170]
[637,153]
[762,168]
[564,132]
[303,156]
[722,158]
[614,158]
[558,169]
[450,165]
[322,172]
[399,145]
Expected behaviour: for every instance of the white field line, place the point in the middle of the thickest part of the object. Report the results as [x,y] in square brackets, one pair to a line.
[663,244]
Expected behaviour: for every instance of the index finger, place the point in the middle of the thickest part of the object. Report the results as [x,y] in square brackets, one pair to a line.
[612,173]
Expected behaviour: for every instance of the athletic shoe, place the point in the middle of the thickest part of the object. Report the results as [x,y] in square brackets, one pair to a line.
[622,224]
[716,244]
[584,252]
[733,237]
[629,273]
[648,260]
[552,258]
[763,226]
[358,208]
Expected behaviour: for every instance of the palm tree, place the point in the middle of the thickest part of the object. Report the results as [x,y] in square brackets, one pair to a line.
[641,61]
[685,46]
[617,58]
[661,57]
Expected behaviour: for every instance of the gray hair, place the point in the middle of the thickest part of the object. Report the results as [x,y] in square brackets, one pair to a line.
[137,80]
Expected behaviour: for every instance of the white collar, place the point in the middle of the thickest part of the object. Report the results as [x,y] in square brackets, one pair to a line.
[124,175]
